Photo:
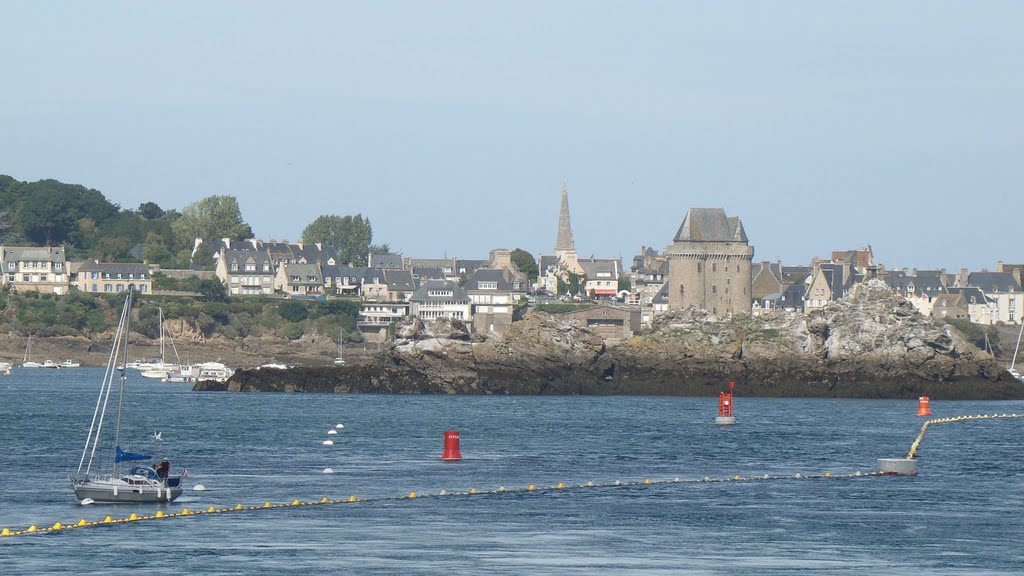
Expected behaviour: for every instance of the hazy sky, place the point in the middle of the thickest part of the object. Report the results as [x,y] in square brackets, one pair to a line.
[452,125]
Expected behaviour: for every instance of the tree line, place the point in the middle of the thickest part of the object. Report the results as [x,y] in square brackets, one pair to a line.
[52,213]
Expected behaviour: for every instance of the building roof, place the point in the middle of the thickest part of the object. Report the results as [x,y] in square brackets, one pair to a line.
[400,280]
[307,272]
[594,267]
[971,294]
[710,225]
[428,273]
[386,261]
[992,282]
[501,277]
[360,274]
[424,292]
[136,269]
[241,257]
[34,253]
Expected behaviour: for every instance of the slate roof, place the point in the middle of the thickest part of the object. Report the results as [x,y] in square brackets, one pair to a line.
[307,273]
[710,225]
[592,267]
[355,274]
[34,253]
[927,283]
[386,261]
[428,273]
[400,280]
[499,276]
[662,296]
[992,282]
[422,294]
[137,270]
[241,257]
[971,294]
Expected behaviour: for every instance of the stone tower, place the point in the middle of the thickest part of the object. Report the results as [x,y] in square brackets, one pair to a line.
[709,264]
[565,247]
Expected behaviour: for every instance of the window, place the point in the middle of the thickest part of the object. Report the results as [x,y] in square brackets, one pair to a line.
[714,289]
[698,266]
[714,267]
[95,288]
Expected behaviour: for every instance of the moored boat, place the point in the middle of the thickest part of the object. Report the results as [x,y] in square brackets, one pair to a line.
[129,479]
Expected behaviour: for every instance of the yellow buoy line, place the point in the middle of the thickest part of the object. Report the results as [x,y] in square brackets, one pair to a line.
[501,490]
[924,427]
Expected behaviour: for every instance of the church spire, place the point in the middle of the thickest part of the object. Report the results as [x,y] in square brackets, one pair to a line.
[564,243]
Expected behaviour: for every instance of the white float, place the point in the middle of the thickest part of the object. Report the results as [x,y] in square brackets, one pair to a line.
[332,432]
[328,442]
[199,488]
[328,470]
[87,501]
[340,426]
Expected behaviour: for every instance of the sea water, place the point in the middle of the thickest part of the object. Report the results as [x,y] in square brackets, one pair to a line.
[961,515]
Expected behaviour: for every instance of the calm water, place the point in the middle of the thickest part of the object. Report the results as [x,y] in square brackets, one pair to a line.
[962,515]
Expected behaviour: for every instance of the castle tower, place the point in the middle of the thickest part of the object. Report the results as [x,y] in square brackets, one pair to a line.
[709,264]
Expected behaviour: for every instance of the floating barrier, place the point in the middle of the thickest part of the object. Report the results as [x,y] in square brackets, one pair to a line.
[645,483]
[908,466]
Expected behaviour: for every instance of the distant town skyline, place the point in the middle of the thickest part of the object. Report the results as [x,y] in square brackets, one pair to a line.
[453,125]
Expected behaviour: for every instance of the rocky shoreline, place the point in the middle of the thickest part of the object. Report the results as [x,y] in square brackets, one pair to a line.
[869,345]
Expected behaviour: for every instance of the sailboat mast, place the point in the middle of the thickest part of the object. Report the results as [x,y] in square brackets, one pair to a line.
[124,369]
[1013,360]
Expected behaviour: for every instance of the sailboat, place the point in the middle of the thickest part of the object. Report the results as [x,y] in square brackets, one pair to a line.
[27,362]
[1013,361]
[340,360]
[129,479]
[161,370]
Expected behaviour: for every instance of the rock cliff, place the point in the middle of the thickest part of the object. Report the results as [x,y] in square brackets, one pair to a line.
[872,344]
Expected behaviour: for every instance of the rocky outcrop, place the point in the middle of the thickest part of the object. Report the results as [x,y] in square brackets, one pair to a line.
[871,344]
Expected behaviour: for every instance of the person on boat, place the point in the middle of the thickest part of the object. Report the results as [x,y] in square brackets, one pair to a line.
[163,469]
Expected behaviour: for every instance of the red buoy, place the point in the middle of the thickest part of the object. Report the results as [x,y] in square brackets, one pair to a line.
[725,416]
[451,446]
[922,407]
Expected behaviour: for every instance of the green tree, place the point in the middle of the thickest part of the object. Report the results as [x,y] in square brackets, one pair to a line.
[210,218]
[384,248]
[293,311]
[350,236]
[213,290]
[624,283]
[526,263]
[150,210]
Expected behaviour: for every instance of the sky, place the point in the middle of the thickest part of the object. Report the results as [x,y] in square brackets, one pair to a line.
[453,125]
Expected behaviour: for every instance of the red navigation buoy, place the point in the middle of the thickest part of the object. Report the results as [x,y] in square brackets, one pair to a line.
[725,417]
[451,446]
[922,407]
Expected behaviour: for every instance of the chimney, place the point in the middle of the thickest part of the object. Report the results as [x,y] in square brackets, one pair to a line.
[962,277]
[999,266]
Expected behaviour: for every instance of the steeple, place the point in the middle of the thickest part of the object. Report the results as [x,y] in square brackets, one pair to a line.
[564,243]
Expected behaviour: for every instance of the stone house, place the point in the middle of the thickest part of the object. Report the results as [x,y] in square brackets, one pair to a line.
[1003,292]
[299,280]
[441,299]
[494,294]
[246,271]
[35,269]
[949,307]
[601,276]
[364,283]
[376,317]
[97,277]
[709,263]
[612,323]
[401,285]
[979,309]
[831,281]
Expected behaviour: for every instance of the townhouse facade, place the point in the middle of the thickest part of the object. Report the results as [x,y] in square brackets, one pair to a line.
[35,269]
[97,277]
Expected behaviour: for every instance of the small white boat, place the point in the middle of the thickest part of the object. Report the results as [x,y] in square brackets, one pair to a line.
[70,364]
[50,364]
[27,362]
[203,371]
[6,366]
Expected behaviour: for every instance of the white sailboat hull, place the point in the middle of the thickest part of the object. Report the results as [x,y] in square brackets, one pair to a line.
[125,489]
